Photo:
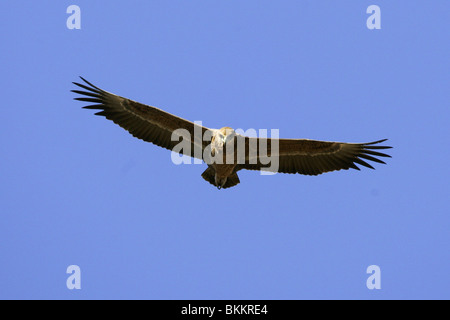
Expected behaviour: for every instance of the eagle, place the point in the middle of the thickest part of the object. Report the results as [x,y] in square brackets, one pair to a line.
[224,150]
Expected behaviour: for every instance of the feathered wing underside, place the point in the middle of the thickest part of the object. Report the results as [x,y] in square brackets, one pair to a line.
[142,121]
[311,157]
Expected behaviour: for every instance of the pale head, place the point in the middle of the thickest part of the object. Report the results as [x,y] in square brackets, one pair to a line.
[220,138]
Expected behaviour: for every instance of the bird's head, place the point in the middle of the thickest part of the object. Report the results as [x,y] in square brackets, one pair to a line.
[220,139]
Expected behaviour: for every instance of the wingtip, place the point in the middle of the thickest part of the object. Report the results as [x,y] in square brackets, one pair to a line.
[375,142]
[87,82]
[372,145]
[387,147]
[88,86]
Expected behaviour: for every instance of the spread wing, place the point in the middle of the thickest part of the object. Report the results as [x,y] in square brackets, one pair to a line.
[144,122]
[311,157]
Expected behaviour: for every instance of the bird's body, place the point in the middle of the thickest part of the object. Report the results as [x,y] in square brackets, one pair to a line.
[223,167]
[225,151]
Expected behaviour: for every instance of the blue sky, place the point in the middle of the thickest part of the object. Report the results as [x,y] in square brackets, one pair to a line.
[78,190]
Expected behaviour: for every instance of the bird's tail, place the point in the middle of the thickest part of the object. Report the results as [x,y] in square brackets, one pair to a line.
[232,181]
[209,175]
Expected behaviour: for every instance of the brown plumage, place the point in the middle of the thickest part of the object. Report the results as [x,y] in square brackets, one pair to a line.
[309,157]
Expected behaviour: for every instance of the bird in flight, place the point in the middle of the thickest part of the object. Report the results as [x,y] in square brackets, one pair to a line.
[223,150]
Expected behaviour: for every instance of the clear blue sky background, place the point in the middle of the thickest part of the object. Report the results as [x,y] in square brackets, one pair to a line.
[77,189]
